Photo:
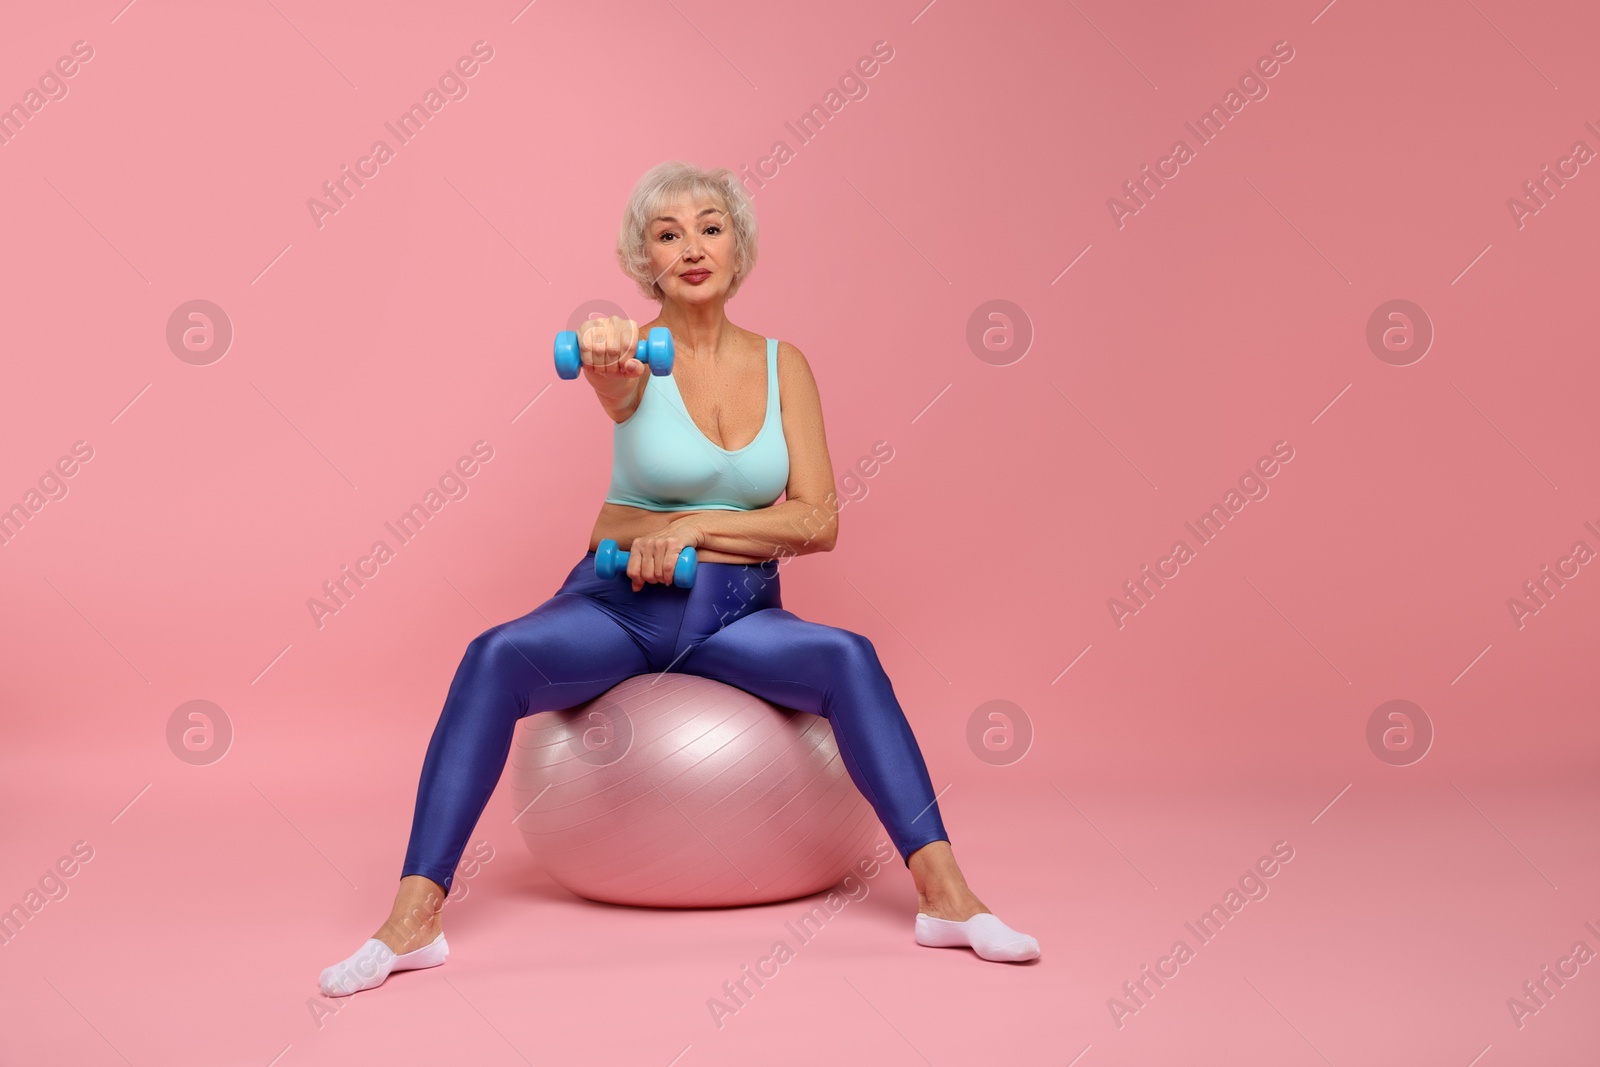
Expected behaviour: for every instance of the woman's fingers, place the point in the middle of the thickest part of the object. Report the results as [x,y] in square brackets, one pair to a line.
[652,559]
[622,344]
[642,563]
[652,565]
[636,554]
[608,346]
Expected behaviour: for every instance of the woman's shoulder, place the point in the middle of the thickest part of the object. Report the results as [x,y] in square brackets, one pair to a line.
[791,360]
[789,356]
[795,380]
[792,363]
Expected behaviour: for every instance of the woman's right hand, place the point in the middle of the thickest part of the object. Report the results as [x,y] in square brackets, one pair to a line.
[607,348]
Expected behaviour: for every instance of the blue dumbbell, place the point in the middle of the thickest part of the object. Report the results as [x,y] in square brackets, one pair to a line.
[654,351]
[610,561]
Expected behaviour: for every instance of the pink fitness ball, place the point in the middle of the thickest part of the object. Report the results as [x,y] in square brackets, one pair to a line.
[676,791]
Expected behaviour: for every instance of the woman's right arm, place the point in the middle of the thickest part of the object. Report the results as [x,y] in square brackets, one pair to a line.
[606,348]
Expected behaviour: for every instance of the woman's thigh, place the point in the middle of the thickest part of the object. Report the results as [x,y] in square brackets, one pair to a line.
[835,673]
[566,651]
[782,658]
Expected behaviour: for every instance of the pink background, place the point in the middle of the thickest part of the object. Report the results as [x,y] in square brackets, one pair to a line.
[1229,313]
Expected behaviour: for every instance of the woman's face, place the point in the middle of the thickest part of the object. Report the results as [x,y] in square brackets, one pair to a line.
[691,250]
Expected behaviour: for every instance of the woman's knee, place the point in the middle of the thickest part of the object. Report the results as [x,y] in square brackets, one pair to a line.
[495,654]
[480,648]
[854,651]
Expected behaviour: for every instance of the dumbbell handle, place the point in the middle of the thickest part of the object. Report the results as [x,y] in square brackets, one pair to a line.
[610,561]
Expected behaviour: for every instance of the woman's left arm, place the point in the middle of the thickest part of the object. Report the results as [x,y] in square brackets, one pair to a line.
[806,521]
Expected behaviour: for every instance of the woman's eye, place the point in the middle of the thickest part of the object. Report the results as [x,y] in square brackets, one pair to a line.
[713,228]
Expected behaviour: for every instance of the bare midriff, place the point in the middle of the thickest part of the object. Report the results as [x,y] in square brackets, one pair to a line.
[623,523]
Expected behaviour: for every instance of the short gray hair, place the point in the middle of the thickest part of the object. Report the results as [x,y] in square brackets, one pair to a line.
[667,181]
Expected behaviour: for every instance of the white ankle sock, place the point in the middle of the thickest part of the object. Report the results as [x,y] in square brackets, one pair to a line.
[984,933]
[375,961]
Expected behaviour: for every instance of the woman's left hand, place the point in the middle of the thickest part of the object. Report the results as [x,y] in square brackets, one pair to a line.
[653,556]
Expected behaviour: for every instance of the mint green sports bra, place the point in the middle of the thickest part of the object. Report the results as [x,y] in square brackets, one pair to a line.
[662,461]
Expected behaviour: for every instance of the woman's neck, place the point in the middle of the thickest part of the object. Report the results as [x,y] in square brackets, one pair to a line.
[698,330]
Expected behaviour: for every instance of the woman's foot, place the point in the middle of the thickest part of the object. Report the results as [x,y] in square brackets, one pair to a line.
[984,934]
[374,961]
[942,891]
[411,938]
[417,918]
[949,914]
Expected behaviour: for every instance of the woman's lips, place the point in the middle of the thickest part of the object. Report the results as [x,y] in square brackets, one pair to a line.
[695,277]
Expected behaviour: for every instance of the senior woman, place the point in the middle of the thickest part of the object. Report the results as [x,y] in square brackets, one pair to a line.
[699,459]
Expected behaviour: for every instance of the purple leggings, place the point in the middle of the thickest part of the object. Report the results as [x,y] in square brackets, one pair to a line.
[594,633]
